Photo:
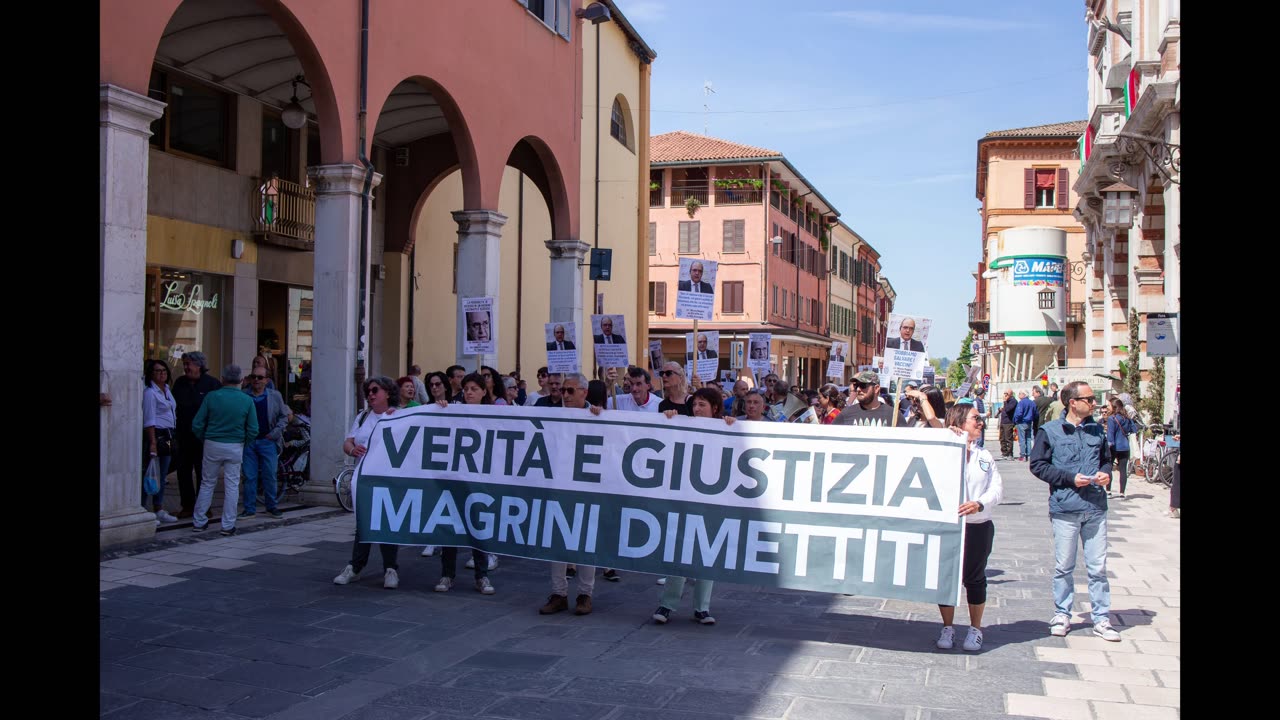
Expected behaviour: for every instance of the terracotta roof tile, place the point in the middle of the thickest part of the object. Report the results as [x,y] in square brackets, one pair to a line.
[1075,127]
[682,146]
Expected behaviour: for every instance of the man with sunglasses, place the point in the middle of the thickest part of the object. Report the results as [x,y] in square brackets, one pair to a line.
[262,454]
[1072,456]
[867,409]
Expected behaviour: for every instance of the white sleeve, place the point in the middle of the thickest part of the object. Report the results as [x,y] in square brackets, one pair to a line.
[995,488]
[148,409]
[355,428]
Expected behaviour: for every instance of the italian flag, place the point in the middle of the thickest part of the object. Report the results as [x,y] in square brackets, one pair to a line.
[1130,93]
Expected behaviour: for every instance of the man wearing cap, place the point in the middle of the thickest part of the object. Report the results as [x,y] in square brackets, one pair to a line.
[867,410]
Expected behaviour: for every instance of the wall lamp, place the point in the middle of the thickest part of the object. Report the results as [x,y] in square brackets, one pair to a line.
[293,116]
[596,12]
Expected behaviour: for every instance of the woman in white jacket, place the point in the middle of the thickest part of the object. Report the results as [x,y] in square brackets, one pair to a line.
[984,491]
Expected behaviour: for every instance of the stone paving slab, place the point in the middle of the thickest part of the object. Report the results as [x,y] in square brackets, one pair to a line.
[199,626]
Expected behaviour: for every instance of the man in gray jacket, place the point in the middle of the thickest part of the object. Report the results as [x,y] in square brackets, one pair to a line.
[263,453]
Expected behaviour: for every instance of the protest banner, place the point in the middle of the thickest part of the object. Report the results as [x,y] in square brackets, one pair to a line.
[477,318]
[902,364]
[695,289]
[867,511]
[610,340]
[562,347]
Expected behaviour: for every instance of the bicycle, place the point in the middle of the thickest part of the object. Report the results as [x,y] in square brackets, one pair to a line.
[1154,461]
[342,486]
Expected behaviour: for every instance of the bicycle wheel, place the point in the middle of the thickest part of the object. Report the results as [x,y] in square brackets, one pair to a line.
[1134,467]
[1165,473]
[342,487]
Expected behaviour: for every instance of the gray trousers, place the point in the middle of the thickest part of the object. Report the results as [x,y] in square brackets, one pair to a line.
[560,579]
[221,462]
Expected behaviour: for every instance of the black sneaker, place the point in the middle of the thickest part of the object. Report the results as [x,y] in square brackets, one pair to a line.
[246,514]
[612,575]
[227,533]
[704,618]
[662,615]
[276,514]
[199,528]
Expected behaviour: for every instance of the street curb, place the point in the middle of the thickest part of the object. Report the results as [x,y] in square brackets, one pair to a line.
[189,538]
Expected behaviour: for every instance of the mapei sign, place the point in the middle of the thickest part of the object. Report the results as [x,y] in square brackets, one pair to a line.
[1046,271]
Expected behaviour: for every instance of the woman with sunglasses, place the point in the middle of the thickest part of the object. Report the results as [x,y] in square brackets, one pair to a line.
[984,489]
[437,384]
[675,390]
[159,424]
[707,402]
[474,392]
[383,395]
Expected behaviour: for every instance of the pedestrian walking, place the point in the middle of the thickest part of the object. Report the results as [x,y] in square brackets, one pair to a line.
[1073,457]
[159,426]
[226,422]
[984,489]
[1024,417]
[262,454]
[382,395]
[1007,426]
[1119,427]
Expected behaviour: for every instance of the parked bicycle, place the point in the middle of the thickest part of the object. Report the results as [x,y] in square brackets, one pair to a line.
[1156,455]
[342,486]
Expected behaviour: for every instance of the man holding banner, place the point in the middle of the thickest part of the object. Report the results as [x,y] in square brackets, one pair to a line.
[574,392]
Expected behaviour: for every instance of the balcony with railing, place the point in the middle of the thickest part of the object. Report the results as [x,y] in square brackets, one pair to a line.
[655,196]
[284,213]
[739,192]
[1075,313]
[979,313]
[683,190]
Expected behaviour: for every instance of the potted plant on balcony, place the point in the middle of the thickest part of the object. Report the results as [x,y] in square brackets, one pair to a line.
[653,186]
[692,205]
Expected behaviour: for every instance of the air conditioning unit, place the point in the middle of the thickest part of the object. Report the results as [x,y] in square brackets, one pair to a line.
[402,157]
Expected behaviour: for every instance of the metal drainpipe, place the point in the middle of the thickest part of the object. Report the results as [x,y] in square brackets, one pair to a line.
[365,195]
[595,284]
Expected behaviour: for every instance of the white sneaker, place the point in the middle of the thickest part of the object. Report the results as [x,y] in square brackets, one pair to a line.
[493,561]
[947,638]
[1059,625]
[471,563]
[346,576]
[484,586]
[428,551]
[1103,629]
[390,579]
[973,641]
[444,584]
[165,516]
[662,581]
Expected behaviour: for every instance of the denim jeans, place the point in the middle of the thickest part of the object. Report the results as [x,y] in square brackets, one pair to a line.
[675,588]
[221,462]
[1069,530]
[1024,439]
[260,458]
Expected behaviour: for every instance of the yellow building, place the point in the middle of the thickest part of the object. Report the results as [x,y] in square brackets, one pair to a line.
[621,134]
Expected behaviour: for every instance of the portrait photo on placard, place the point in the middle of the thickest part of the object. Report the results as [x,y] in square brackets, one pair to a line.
[705,349]
[696,288]
[562,347]
[477,319]
[908,332]
[609,335]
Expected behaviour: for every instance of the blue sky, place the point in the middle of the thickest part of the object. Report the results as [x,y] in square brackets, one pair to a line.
[883,103]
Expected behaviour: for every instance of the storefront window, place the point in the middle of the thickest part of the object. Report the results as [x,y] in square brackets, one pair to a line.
[301,303]
[185,314]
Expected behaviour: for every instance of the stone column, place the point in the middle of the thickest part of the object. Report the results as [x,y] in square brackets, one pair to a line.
[566,283]
[479,273]
[337,290]
[124,129]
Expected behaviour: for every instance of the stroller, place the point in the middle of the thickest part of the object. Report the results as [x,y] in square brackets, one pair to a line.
[295,461]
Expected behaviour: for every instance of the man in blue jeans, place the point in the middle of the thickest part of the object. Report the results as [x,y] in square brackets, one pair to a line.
[263,453]
[1071,454]
[1024,416]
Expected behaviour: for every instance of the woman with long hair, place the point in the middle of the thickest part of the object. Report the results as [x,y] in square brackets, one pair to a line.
[984,489]
[675,390]
[493,386]
[829,403]
[474,392]
[159,426]
[1119,426]
[707,402]
[437,384]
[383,396]
[927,407]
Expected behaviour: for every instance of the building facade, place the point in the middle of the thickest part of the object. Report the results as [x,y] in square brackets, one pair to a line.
[842,303]
[266,177]
[769,230]
[1024,180]
[1130,182]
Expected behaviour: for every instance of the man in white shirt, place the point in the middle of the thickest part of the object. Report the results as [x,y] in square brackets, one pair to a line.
[640,397]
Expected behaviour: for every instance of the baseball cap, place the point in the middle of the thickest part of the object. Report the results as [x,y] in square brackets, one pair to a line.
[867,376]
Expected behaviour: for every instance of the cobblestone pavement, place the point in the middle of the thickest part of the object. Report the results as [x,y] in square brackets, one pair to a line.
[252,626]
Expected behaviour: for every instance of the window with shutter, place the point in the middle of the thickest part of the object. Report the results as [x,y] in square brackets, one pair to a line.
[775,299]
[1062,188]
[653,238]
[735,236]
[662,298]
[732,291]
[1046,181]
[689,237]
[1028,189]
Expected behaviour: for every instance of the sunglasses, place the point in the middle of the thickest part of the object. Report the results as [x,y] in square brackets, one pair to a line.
[1091,399]
[569,390]
[665,373]
[861,385]
[436,383]
[372,390]
[258,377]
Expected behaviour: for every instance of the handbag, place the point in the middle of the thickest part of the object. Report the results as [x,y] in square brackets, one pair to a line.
[164,442]
[151,479]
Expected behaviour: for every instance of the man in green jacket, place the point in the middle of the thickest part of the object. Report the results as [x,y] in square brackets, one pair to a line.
[225,422]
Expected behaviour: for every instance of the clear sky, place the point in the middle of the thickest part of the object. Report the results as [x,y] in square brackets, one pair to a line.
[880,104]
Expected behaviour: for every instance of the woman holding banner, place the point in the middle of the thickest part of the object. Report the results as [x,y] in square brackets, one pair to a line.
[707,402]
[474,392]
[384,396]
[984,489]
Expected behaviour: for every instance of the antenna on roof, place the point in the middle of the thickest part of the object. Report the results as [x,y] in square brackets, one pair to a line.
[707,91]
